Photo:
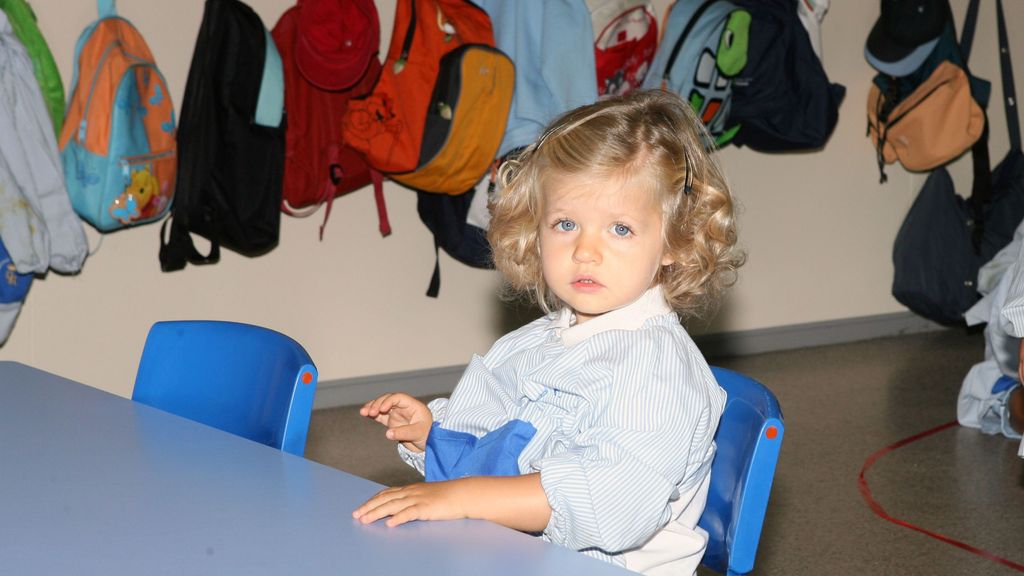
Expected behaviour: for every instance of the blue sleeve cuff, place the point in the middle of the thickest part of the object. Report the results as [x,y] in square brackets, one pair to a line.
[452,454]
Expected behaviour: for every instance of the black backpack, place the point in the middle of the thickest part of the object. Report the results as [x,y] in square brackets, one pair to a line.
[782,98]
[231,141]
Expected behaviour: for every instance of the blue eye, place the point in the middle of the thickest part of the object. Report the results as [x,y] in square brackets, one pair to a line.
[565,225]
[621,230]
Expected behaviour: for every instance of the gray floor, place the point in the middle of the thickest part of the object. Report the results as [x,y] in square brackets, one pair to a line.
[841,404]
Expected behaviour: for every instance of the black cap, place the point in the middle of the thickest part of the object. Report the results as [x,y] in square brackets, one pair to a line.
[904,25]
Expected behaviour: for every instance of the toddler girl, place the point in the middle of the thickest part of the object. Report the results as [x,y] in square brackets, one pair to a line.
[592,426]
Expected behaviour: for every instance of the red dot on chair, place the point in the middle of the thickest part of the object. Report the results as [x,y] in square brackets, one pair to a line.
[771,432]
[307,377]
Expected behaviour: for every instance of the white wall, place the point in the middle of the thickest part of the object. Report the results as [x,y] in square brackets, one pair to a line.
[818,228]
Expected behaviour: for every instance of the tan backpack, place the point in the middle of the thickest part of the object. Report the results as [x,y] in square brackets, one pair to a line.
[933,125]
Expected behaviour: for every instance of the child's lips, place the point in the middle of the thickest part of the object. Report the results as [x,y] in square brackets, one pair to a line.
[586,284]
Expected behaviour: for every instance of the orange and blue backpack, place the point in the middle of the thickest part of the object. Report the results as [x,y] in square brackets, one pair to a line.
[437,115]
[118,139]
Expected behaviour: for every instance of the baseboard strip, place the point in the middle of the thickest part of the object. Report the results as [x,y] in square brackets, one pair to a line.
[747,342]
[349,391]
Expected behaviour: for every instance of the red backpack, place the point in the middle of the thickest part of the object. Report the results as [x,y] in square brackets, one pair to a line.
[318,164]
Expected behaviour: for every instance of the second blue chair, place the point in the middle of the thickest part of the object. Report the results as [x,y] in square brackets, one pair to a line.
[243,379]
[748,440]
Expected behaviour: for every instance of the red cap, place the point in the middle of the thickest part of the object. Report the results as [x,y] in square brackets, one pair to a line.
[336,40]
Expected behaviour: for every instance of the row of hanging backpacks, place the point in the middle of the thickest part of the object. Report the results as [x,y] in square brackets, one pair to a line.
[226,166]
[433,119]
[234,163]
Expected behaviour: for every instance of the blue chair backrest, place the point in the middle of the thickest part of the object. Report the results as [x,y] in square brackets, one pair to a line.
[748,440]
[243,379]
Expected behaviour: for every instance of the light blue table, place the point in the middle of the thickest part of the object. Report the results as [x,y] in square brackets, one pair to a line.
[92,483]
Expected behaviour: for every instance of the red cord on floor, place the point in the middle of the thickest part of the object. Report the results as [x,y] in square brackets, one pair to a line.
[865,491]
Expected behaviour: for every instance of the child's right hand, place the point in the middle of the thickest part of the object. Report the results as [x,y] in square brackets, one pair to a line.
[408,420]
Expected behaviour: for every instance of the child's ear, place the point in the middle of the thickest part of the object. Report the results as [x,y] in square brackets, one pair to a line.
[667,259]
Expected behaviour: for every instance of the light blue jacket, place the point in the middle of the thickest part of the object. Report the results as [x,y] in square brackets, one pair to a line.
[37,225]
[551,43]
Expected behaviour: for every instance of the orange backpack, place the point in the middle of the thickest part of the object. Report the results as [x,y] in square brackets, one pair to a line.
[409,125]
[465,120]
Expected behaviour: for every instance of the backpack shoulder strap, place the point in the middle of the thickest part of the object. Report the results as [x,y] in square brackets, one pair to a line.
[270,103]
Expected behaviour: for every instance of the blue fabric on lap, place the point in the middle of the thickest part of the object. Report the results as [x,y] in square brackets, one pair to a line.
[452,454]
[1003,383]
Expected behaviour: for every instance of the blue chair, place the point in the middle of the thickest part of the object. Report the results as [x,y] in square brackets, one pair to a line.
[749,437]
[247,380]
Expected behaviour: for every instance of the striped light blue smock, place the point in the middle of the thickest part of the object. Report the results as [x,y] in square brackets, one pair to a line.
[625,409]
[1013,309]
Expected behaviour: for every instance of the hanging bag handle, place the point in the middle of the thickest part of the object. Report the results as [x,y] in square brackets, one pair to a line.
[981,190]
[106,8]
[1009,91]
[981,185]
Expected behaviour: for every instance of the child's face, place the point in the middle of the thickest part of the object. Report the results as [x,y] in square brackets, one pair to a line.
[600,242]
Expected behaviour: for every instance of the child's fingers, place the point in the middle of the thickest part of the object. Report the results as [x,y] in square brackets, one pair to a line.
[397,400]
[408,433]
[372,409]
[404,515]
[384,503]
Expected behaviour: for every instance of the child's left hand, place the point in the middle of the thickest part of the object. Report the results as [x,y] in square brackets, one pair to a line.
[424,501]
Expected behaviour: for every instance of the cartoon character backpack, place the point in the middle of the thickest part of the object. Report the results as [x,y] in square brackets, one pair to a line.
[703,46]
[118,140]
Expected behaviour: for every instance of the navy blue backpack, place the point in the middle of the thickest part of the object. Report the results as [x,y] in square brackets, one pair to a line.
[782,98]
[445,215]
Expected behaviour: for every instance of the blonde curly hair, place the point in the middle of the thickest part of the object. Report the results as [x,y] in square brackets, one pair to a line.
[653,135]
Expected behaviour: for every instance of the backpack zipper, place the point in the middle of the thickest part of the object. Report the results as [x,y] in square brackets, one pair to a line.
[410,33]
[96,76]
[127,161]
[894,121]
[92,88]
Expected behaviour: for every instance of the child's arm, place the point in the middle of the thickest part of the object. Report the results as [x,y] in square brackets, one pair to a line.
[517,502]
[408,420]
[1020,368]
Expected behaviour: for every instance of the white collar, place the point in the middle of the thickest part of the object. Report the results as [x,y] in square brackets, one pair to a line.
[630,317]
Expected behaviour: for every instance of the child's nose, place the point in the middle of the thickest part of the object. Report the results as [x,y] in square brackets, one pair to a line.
[588,250]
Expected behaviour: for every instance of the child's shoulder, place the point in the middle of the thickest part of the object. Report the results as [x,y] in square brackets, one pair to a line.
[531,334]
[662,344]
[661,333]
